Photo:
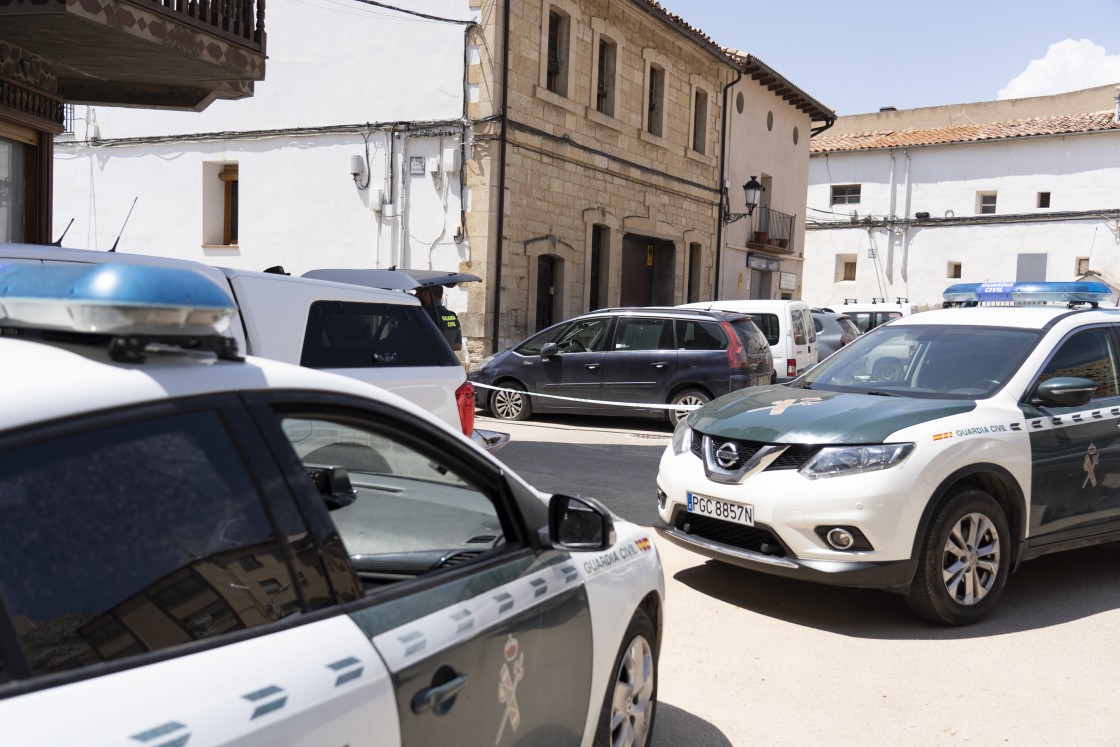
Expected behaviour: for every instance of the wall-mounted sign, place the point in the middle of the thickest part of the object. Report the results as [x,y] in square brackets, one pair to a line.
[787,281]
[766,264]
[416,165]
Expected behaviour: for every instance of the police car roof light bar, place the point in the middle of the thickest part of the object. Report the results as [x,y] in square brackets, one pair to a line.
[1029,292]
[114,299]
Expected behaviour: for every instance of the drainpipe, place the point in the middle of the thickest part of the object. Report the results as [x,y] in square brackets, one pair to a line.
[501,181]
[891,203]
[903,271]
[722,176]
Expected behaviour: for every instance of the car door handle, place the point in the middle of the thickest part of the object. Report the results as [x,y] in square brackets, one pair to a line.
[661,364]
[432,697]
[590,366]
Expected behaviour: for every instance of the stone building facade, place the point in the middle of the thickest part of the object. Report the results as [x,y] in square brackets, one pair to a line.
[612,140]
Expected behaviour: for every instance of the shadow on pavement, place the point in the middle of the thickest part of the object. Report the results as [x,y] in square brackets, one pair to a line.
[1047,591]
[673,727]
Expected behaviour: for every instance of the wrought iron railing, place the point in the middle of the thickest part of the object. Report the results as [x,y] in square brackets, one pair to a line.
[772,228]
[239,20]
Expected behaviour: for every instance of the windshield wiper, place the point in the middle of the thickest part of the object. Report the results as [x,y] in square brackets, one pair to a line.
[882,393]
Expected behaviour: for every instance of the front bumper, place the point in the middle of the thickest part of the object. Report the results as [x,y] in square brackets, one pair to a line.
[890,575]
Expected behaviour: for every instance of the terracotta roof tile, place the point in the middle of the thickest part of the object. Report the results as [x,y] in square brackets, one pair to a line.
[1066,124]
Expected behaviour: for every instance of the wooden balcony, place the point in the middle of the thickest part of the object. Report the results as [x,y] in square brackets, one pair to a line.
[176,54]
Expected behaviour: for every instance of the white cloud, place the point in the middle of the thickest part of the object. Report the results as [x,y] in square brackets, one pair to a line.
[1068,66]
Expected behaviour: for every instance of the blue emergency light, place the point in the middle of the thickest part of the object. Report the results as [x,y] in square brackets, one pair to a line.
[1029,292]
[113,299]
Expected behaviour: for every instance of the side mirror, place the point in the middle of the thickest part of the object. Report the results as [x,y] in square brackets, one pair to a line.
[580,524]
[1065,391]
[548,350]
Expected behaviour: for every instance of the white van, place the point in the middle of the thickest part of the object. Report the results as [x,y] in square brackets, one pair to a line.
[870,314]
[788,326]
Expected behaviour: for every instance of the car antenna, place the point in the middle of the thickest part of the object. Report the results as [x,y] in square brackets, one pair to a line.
[134,199]
[58,241]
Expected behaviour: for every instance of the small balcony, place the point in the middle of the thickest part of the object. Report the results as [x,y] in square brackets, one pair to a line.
[771,230]
[174,54]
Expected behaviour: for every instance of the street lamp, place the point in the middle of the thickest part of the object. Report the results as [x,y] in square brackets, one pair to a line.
[751,191]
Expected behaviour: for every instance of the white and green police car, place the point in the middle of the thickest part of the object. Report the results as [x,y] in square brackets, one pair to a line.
[202,549]
[929,457]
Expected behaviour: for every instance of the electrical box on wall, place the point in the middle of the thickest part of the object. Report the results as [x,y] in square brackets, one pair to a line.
[451,160]
[376,199]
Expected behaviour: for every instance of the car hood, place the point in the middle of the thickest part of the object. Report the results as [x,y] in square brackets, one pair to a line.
[783,414]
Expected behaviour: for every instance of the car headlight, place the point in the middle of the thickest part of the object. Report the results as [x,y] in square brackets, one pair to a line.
[682,438]
[834,461]
[476,367]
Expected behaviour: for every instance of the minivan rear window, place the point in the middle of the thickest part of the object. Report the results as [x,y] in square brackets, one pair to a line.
[345,334]
[768,323]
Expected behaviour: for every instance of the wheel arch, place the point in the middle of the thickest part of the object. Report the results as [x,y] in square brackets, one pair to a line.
[654,607]
[997,482]
[677,389]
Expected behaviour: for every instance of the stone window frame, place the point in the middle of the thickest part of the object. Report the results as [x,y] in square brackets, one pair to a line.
[698,84]
[844,262]
[651,59]
[571,11]
[602,29]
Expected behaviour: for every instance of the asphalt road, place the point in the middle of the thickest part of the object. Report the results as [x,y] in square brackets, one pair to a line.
[749,659]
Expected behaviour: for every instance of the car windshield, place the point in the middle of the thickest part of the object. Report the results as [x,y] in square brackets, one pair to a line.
[937,361]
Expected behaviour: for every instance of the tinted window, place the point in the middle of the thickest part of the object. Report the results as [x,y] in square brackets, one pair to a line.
[135,538]
[584,335]
[700,335]
[1088,354]
[533,345]
[408,513]
[768,323]
[644,333]
[360,335]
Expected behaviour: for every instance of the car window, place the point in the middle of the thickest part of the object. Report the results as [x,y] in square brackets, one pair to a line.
[135,537]
[817,325]
[343,334]
[956,362]
[400,512]
[768,323]
[1088,354]
[533,345]
[644,333]
[695,334]
[847,329]
[803,332]
[585,335]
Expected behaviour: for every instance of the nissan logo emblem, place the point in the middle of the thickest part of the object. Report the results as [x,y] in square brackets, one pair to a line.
[727,455]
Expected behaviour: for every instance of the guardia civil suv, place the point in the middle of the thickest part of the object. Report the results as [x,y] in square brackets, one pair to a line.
[202,549]
[929,457]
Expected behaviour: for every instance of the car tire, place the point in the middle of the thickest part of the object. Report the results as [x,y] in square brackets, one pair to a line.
[686,397]
[964,560]
[510,405]
[631,701]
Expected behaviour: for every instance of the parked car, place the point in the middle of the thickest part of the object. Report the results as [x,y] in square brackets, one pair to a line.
[834,330]
[200,547]
[788,327]
[379,336]
[869,315]
[625,361]
[991,440]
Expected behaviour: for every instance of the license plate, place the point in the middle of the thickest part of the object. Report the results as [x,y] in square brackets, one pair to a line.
[740,513]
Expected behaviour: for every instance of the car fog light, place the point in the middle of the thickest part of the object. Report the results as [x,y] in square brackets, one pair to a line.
[661,498]
[841,539]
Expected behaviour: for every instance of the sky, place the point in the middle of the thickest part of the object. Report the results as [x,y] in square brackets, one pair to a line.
[857,56]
